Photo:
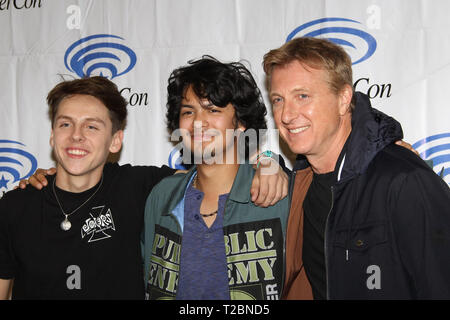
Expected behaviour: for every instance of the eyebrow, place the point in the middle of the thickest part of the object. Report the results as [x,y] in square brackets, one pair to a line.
[203,105]
[94,119]
[300,89]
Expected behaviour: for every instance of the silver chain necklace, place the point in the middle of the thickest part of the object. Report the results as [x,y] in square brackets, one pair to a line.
[65,224]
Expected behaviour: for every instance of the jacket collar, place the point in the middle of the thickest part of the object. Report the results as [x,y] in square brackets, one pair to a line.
[240,191]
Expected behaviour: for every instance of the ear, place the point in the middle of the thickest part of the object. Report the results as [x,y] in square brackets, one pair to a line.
[345,99]
[116,143]
[52,143]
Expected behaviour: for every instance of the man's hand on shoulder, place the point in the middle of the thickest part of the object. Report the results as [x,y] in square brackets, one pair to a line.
[5,289]
[406,145]
[38,179]
[270,183]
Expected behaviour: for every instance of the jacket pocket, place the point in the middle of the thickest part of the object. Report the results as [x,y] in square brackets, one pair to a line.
[362,237]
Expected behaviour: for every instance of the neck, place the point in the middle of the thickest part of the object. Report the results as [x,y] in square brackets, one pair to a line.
[217,178]
[326,162]
[77,184]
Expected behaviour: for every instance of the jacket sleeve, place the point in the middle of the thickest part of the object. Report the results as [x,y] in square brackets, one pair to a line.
[149,231]
[421,222]
[8,265]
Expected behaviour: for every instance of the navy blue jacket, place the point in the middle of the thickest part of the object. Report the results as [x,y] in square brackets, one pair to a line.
[387,235]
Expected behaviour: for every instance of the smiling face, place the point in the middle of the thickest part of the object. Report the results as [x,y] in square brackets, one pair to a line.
[312,119]
[82,137]
[205,126]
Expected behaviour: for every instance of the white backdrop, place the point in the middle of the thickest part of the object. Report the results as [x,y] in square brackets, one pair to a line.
[404,45]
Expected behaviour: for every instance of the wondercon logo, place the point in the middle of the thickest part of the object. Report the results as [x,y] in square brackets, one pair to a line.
[99,55]
[436,151]
[15,163]
[359,44]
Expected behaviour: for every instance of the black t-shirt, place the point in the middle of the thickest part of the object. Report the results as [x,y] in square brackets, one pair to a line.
[98,258]
[316,206]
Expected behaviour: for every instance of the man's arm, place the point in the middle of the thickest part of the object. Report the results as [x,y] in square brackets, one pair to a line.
[5,289]
[270,183]
[421,222]
[269,186]
[7,263]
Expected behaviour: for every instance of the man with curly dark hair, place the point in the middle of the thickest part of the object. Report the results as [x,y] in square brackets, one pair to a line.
[234,84]
[222,84]
[204,220]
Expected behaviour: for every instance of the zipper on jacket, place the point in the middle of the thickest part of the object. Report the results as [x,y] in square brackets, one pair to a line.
[325,244]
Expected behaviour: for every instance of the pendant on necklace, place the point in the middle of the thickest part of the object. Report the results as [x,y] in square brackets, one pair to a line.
[66,225]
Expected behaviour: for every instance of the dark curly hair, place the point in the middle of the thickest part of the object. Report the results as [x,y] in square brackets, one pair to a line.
[221,84]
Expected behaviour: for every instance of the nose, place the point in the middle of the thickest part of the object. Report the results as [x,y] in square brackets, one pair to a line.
[198,124]
[289,113]
[200,121]
[77,133]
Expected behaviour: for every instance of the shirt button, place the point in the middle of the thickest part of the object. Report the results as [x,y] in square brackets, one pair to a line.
[207,236]
[199,197]
[196,217]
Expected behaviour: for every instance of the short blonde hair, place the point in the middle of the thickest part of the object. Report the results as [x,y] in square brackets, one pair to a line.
[315,53]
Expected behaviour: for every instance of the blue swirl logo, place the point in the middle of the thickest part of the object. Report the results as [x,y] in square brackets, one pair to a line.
[15,163]
[176,160]
[436,151]
[100,54]
[359,44]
